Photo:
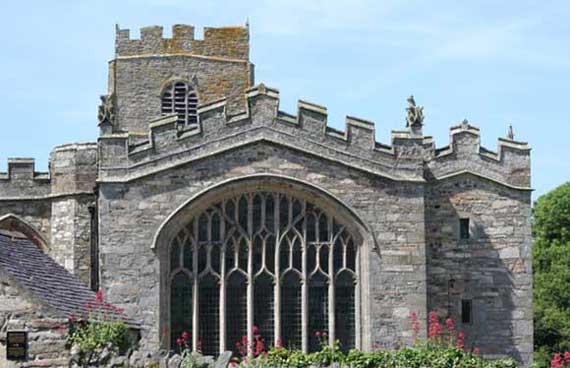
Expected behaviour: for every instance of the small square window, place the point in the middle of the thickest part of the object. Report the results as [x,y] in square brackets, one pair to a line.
[464,228]
[466,311]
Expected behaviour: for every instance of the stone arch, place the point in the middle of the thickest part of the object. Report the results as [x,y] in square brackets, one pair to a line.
[320,197]
[12,222]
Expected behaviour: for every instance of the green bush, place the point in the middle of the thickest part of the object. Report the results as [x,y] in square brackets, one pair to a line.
[414,357]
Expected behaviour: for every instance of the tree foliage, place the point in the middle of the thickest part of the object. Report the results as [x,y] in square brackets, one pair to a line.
[551,261]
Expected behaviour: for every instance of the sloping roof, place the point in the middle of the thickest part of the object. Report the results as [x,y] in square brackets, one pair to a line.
[49,282]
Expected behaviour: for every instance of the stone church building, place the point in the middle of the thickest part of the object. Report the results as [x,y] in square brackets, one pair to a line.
[203,207]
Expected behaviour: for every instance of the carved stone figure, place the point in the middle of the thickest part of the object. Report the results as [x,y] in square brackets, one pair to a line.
[415,114]
[106,112]
[510,133]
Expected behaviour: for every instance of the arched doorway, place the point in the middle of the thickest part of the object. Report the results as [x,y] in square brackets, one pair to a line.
[262,255]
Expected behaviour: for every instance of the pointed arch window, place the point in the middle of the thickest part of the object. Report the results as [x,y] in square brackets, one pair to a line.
[181,99]
[264,259]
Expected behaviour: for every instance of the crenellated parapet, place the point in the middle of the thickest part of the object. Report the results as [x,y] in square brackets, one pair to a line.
[73,170]
[509,164]
[22,179]
[223,42]
[410,157]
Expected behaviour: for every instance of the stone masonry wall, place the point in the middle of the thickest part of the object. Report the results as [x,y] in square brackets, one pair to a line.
[492,268]
[46,331]
[130,214]
[55,205]
[74,173]
[139,83]
[218,67]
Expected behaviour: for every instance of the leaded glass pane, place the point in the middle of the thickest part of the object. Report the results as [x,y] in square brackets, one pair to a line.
[236,309]
[351,255]
[209,306]
[270,212]
[270,253]
[291,311]
[188,254]
[175,255]
[345,325]
[318,309]
[180,307]
[263,306]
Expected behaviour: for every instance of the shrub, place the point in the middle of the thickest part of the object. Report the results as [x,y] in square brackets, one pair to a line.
[93,333]
[443,349]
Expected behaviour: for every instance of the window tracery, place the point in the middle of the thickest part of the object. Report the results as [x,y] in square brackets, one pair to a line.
[264,259]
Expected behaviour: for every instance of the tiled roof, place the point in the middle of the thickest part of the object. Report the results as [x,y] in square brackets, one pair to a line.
[52,284]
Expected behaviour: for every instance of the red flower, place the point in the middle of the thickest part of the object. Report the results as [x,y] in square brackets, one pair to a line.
[179,341]
[460,343]
[318,334]
[450,326]
[567,356]
[556,361]
[476,351]
[255,330]
[185,335]
[99,296]
[434,328]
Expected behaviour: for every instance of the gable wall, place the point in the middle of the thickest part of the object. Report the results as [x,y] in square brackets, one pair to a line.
[131,213]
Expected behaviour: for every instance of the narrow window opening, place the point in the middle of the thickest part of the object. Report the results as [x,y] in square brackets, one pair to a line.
[464,228]
[181,99]
[466,311]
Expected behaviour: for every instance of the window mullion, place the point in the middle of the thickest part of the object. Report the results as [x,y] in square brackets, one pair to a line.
[331,306]
[250,271]
[304,284]
[277,287]
[357,306]
[223,278]
[196,298]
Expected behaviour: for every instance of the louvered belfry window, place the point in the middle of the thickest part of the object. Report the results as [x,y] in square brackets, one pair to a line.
[181,99]
[264,259]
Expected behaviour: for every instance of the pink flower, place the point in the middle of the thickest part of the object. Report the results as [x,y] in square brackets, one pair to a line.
[567,356]
[255,330]
[476,351]
[434,328]
[99,296]
[279,344]
[460,342]
[318,334]
[556,361]
[450,326]
[88,307]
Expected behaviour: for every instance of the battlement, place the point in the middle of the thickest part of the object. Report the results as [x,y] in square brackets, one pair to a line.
[73,170]
[125,157]
[223,42]
[21,179]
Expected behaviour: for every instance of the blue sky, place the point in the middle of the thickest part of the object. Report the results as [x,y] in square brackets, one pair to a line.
[494,63]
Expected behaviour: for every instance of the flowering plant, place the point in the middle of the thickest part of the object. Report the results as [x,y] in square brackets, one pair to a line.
[97,330]
[560,360]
